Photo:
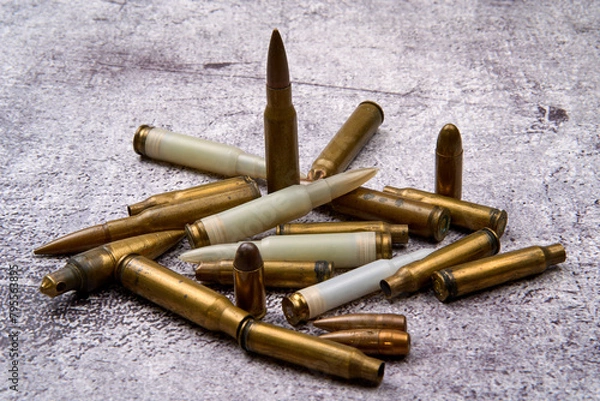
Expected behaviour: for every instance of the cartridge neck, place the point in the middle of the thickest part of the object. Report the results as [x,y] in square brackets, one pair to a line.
[279,98]
[554,253]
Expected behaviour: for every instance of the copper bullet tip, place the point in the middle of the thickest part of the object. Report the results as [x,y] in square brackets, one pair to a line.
[449,141]
[278,75]
[247,257]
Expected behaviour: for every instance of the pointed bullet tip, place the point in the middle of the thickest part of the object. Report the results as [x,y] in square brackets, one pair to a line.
[278,75]
[48,287]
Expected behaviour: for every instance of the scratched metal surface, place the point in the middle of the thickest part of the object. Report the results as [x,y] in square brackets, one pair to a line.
[519,79]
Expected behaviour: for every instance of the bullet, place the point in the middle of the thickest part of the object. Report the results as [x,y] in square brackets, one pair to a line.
[215,312]
[345,250]
[168,217]
[399,232]
[281,123]
[262,214]
[317,299]
[456,281]
[423,220]
[391,321]
[277,273]
[201,154]
[463,214]
[416,275]
[183,195]
[248,280]
[348,141]
[448,162]
[381,342]
[92,269]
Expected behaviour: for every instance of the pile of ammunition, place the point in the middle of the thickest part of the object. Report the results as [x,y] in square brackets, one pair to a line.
[215,216]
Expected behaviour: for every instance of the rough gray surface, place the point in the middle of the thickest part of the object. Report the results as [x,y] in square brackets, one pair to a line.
[520,79]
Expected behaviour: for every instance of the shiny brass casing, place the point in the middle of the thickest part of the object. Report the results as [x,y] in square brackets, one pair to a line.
[94,268]
[277,273]
[248,280]
[398,232]
[281,140]
[466,278]
[383,342]
[416,275]
[312,352]
[348,141]
[422,219]
[464,214]
[392,321]
[214,311]
[449,162]
[183,195]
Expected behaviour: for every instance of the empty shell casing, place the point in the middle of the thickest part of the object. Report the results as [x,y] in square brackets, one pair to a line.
[399,232]
[423,220]
[416,275]
[200,191]
[214,311]
[248,280]
[449,162]
[392,321]
[382,342]
[466,278]
[277,273]
[464,214]
[201,154]
[348,141]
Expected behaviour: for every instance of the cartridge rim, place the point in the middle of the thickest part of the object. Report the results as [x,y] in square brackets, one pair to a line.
[439,221]
[444,285]
[498,221]
[295,309]
[383,245]
[378,107]
[197,235]
[139,139]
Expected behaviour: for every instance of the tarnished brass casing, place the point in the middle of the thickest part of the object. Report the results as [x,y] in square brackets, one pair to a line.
[466,278]
[277,273]
[392,321]
[167,217]
[416,275]
[383,342]
[449,162]
[248,280]
[348,141]
[92,269]
[214,311]
[422,219]
[399,232]
[183,195]
[281,122]
[464,214]
[312,352]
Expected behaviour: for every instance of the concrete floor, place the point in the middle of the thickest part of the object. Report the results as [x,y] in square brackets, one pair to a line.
[520,80]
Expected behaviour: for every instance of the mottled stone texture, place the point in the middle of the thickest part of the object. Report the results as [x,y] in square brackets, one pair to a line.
[520,80]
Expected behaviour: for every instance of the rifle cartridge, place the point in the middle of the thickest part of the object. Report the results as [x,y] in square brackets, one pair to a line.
[399,232]
[456,281]
[449,162]
[277,273]
[463,214]
[214,311]
[183,195]
[422,219]
[416,275]
[348,141]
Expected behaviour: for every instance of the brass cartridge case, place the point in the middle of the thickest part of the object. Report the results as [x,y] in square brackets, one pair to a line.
[277,273]
[280,120]
[92,269]
[383,342]
[183,195]
[416,275]
[422,219]
[390,321]
[214,311]
[312,352]
[168,217]
[464,214]
[466,278]
[449,162]
[348,141]
[399,232]
[248,280]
